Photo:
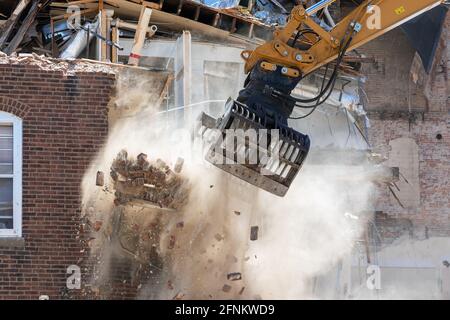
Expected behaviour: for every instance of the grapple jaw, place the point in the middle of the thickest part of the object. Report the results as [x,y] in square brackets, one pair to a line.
[251,146]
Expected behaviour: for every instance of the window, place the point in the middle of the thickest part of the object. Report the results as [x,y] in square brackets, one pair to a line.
[10,175]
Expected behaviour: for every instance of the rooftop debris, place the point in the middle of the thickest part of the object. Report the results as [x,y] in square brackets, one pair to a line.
[54,29]
[152,183]
[67,67]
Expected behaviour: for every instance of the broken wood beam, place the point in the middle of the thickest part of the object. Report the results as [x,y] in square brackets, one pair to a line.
[103,30]
[165,90]
[109,15]
[27,22]
[74,3]
[152,5]
[8,26]
[131,26]
[115,39]
[68,15]
[139,37]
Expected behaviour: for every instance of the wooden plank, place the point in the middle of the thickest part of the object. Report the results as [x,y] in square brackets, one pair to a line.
[66,5]
[233,26]
[180,7]
[139,36]
[131,26]
[109,15]
[67,15]
[178,23]
[72,3]
[187,75]
[115,39]
[165,90]
[250,32]
[197,13]
[29,19]
[151,5]
[216,20]
[114,64]
[103,26]
[8,26]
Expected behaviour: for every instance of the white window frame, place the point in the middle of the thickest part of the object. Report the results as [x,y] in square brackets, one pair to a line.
[16,122]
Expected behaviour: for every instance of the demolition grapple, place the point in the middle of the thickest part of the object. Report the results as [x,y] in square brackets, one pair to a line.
[253,141]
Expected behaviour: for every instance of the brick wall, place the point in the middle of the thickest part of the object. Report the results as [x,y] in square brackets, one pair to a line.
[432,216]
[65,122]
[427,117]
[397,81]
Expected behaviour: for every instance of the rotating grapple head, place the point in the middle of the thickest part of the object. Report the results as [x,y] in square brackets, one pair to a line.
[252,140]
[245,147]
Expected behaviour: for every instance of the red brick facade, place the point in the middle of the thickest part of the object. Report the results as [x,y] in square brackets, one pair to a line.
[65,122]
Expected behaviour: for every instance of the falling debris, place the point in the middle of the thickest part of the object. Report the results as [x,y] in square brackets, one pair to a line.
[100,180]
[141,182]
[254,233]
[97,226]
[226,288]
[172,242]
[178,296]
[180,224]
[179,165]
[234,276]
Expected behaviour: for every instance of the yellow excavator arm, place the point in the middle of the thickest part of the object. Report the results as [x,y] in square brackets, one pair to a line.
[268,153]
[368,21]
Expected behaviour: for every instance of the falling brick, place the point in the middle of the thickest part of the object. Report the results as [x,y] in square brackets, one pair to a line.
[178,296]
[172,242]
[97,225]
[234,276]
[100,180]
[254,233]
[142,160]
[180,224]
[179,165]
[226,288]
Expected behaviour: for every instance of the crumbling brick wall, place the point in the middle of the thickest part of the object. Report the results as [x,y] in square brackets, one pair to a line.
[65,122]
[431,217]
[426,121]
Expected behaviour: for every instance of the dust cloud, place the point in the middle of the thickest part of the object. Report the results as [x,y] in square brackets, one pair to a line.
[204,251]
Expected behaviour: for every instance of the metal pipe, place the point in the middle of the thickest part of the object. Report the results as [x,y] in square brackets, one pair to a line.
[329,17]
[318,6]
